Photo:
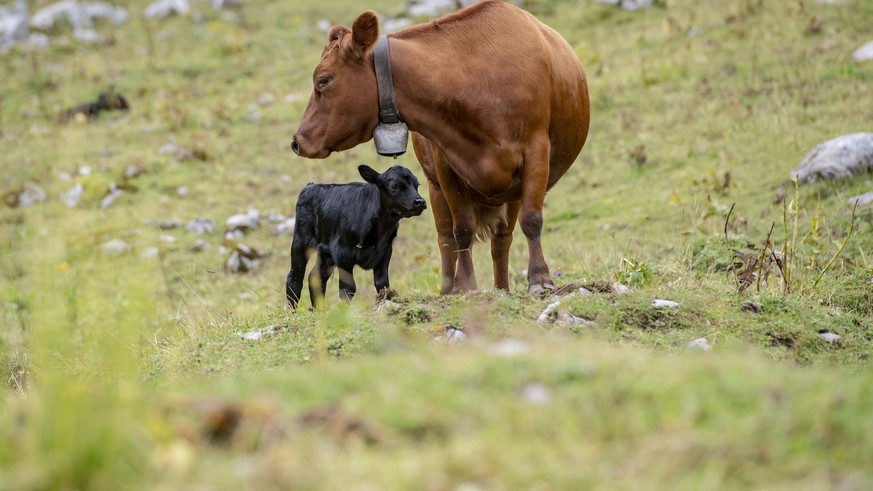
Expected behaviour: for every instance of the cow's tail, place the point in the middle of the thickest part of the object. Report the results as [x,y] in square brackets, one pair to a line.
[488,218]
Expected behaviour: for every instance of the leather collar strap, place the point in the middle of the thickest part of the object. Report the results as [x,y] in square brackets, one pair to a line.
[385,82]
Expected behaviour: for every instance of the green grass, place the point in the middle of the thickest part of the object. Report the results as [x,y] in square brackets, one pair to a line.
[128,371]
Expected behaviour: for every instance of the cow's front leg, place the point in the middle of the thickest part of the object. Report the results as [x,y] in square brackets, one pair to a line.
[442,217]
[530,218]
[318,280]
[500,245]
[460,206]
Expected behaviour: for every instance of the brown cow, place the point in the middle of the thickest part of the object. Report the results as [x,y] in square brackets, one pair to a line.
[499,105]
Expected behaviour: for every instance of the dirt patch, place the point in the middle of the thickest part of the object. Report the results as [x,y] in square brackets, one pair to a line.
[651,319]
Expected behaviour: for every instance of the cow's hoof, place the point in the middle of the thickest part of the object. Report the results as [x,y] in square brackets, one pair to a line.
[540,287]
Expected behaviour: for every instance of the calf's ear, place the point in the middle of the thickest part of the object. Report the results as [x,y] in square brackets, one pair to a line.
[365,31]
[369,174]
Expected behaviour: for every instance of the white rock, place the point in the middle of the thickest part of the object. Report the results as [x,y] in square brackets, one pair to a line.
[455,335]
[584,291]
[430,8]
[182,191]
[285,228]
[71,196]
[150,253]
[78,14]
[386,304]
[13,25]
[861,199]
[323,25]
[85,171]
[391,25]
[864,53]
[114,194]
[167,238]
[620,289]
[536,393]
[199,245]
[244,222]
[200,226]
[839,158]
[87,35]
[30,195]
[547,312]
[658,302]
[829,336]
[115,247]
[630,5]
[699,344]
[164,8]
[509,348]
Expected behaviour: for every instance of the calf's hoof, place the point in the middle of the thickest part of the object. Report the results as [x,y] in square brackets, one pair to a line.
[536,288]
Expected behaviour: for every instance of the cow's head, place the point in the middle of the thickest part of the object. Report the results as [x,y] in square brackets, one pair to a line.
[398,188]
[344,106]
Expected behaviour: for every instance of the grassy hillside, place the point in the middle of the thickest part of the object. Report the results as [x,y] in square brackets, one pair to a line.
[128,370]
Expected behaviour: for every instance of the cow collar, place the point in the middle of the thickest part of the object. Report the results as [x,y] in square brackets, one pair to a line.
[391,133]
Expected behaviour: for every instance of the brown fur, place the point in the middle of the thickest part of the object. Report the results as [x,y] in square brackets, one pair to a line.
[498,103]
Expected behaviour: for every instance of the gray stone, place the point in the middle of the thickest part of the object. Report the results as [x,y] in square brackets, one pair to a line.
[630,5]
[71,196]
[536,393]
[861,199]
[661,303]
[750,306]
[165,8]
[199,245]
[864,53]
[13,25]
[285,228]
[115,247]
[699,344]
[30,195]
[200,226]
[829,336]
[621,289]
[839,158]
[509,348]
[244,222]
[79,15]
[455,335]
[546,314]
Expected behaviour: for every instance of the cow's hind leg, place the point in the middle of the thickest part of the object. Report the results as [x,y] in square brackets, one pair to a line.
[501,242]
[534,185]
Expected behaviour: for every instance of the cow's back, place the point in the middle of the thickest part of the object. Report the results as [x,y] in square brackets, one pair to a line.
[522,73]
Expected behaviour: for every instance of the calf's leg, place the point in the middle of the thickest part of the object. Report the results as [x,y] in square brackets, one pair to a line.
[294,281]
[380,272]
[318,280]
[347,285]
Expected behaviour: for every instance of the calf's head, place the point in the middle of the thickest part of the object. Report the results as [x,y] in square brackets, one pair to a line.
[343,109]
[398,188]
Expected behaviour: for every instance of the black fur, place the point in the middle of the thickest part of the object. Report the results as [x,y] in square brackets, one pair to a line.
[106,101]
[348,225]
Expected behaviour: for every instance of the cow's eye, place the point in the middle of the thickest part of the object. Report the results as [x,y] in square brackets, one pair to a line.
[322,81]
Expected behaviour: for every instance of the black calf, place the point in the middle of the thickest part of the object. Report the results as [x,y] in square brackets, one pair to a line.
[350,225]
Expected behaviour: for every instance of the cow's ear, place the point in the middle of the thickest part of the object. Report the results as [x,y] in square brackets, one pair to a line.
[369,174]
[336,33]
[365,31]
